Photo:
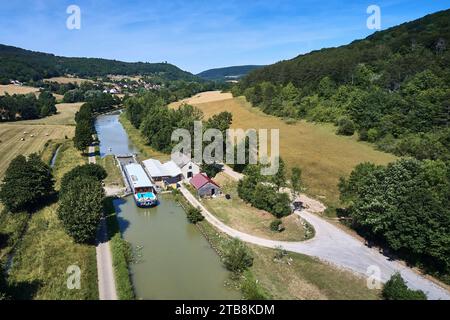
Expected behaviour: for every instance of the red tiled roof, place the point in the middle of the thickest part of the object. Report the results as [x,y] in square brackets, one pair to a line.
[200,179]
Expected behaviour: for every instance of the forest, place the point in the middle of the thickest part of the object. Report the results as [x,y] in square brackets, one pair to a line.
[25,65]
[391,88]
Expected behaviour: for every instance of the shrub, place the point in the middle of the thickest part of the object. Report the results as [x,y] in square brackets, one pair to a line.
[237,256]
[346,127]
[275,225]
[194,215]
[396,289]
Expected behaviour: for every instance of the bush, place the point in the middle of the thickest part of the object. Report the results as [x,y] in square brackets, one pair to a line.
[251,290]
[396,289]
[346,127]
[194,215]
[275,225]
[237,256]
[81,207]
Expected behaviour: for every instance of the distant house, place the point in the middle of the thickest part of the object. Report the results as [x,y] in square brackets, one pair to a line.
[205,186]
[168,172]
[188,167]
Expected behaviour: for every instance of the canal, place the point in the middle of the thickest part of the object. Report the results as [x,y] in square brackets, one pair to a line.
[172,258]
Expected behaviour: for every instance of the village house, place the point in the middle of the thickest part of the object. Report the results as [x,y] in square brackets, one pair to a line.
[188,167]
[205,186]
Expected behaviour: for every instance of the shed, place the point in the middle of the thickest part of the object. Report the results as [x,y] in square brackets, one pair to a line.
[205,186]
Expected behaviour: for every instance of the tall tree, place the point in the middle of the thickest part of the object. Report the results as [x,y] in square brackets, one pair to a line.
[27,184]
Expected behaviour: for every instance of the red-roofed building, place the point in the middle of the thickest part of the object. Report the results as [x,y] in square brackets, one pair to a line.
[205,186]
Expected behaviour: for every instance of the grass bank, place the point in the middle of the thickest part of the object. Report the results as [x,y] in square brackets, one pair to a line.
[287,276]
[140,142]
[121,253]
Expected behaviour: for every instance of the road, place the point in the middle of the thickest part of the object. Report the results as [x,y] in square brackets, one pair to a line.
[332,245]
[106,281]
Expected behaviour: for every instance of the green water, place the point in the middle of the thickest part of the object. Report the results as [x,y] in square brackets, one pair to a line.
[174,260]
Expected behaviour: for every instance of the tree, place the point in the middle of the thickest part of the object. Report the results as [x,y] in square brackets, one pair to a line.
[90,170]
[27,184]
[396,289]
[237,257]
[406,206]
[83,135]
[212,169]
[81,207]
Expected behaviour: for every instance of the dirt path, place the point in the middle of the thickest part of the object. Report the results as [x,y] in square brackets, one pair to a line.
[332,245]
[106,281]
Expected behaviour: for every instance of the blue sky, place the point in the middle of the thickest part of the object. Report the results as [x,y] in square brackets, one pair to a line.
[198,34]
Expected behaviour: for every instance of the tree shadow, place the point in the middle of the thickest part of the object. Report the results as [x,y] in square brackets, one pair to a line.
[24,290]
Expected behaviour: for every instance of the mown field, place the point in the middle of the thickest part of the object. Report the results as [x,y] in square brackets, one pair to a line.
[11,144]
[323,156]
[13,89]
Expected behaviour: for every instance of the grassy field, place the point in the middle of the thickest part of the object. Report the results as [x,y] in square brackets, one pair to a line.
[13,89]
[243,217]
[296,276]
[12,133]
[65,115]
[323,156]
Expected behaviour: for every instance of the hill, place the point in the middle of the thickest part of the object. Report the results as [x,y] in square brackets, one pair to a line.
[227,73]
[392,88]
[25,65]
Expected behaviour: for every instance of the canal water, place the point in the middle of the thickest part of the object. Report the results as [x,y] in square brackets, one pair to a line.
[172,258]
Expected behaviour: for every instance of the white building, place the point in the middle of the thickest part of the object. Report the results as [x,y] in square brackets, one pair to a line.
[168,172]
[188,167]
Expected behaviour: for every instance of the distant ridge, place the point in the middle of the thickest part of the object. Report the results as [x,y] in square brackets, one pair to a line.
[25,65]
[228,73]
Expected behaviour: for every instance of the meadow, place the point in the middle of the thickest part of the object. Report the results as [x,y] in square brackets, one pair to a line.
[13,89]
[322,155]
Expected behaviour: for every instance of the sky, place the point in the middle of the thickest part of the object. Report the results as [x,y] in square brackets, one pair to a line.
[197,35]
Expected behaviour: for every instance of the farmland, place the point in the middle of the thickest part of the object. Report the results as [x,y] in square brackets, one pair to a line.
[65,80]
[13,89]
[323,156]
[11,144]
